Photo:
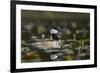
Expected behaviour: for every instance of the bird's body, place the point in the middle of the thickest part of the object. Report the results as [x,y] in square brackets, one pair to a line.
[54,34]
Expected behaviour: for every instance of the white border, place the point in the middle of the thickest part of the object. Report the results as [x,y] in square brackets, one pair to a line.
[20,65]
